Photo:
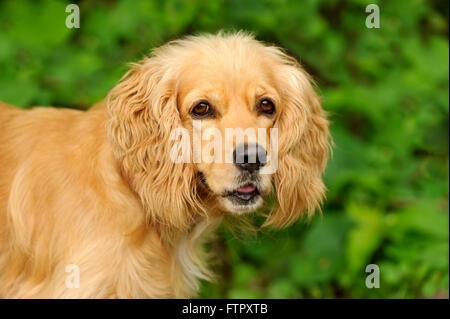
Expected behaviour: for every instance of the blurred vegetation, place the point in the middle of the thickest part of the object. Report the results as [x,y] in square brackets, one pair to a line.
[387,91]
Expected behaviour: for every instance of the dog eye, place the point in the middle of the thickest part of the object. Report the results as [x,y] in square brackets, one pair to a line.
[201,110]
[266,107]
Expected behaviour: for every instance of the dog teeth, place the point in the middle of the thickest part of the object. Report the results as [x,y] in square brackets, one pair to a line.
[246,196]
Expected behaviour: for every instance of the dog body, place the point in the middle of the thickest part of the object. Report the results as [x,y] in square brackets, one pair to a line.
[77,209]
[95,191]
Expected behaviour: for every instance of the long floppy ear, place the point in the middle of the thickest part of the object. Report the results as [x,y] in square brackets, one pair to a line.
[142,114]
[303,146]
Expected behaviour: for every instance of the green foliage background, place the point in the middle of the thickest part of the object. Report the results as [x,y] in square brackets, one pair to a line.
[386,90]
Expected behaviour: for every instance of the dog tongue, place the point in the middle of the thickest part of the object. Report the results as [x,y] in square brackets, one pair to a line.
[246,189]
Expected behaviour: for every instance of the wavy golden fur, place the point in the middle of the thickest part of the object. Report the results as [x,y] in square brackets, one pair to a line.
[97,188]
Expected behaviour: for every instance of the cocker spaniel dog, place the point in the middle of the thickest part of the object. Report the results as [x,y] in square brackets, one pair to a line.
[101,191]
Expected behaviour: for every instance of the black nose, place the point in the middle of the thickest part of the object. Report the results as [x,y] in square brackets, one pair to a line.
[249,157]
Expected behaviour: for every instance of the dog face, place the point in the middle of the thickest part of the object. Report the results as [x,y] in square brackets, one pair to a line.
[234,100]
[211,85]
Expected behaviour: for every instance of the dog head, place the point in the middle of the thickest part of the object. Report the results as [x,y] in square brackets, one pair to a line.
[253,121]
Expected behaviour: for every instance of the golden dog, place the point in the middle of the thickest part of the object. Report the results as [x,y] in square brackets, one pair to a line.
[98,189]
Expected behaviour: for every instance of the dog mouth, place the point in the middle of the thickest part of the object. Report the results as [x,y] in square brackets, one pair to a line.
[243,195]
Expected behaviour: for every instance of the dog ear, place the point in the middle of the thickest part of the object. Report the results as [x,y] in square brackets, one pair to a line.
[143,112]
[303,146]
